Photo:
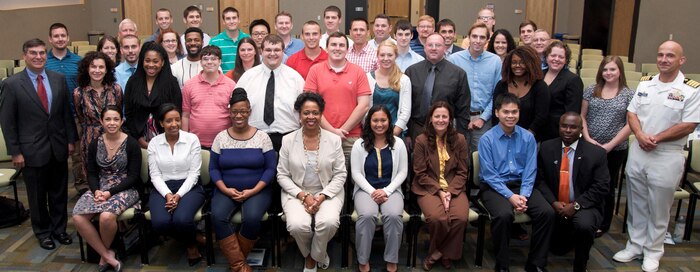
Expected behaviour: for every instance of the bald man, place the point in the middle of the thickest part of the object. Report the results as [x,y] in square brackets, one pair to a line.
[661,115]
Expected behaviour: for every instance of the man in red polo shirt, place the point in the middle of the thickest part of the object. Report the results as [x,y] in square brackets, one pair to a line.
[344,88]
[313,53]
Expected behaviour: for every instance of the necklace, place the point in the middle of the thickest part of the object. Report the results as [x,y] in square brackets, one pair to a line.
[306,150]
[108,146]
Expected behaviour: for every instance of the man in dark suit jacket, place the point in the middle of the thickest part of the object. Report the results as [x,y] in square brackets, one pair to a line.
[580,206]
[40,133]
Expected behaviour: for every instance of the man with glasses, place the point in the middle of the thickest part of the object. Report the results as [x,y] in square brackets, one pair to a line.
[426,26]
[205,99]
[272,90]
[486,16]
[259,29]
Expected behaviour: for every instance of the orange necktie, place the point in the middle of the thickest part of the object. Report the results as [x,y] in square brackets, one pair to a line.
[564,176]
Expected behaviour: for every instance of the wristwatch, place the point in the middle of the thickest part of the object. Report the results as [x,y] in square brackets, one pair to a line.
[577,206]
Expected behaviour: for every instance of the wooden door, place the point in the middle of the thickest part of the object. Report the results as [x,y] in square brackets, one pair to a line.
[542,12]
[623,21]
[249,10]
[140,12]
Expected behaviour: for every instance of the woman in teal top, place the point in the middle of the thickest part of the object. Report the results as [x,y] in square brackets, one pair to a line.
[391,87]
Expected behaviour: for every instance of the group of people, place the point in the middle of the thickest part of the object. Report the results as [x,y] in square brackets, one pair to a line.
[311,115]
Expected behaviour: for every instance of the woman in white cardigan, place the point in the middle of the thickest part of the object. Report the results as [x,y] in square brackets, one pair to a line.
[391,87]
[379,167]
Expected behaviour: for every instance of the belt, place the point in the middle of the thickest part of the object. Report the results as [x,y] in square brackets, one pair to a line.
[474,113]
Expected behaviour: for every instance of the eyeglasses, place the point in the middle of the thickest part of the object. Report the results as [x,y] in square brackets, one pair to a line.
[259,34]
[485,18]
[241,112]
[169,41]
[210,58]
[521,64]
[425,26]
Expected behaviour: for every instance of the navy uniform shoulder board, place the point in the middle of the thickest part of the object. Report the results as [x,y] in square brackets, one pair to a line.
[691,83]
[646,78]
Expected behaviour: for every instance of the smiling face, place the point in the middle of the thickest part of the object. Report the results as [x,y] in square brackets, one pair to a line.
[478,40]
[669,58]
[283,25]
[97,70]
[331,20]
[358,32]
[231,20]
[193,19]
[526,33]
[379,123]
[337,48]
[500,45]
[258,34]
[386,56]
[425,28]
[239,113]
[311,34]
[508,116]
[556,59]
[35,57]
[310,115]
[130,49]
[570,128]
[171,123]
[170,42]
[518,66]
[448,33]
[611,73]
[272,54]
[163,19]
[381,29]
[112,122]
[210,64]
[59,38]
[247,52]
[487,17]
[110,49]
[193,43]
[403,37]
[434,48]
[540,41]
[440,119]
[152,63]
[127,29]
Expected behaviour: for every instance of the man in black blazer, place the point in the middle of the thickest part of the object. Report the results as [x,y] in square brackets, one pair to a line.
[40,133]
[580,208]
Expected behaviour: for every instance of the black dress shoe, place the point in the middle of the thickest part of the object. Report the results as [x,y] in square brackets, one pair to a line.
[47,243]
[534,268]
[63,238]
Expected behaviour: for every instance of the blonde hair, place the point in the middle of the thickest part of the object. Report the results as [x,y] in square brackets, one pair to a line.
[394,72]
[428,18]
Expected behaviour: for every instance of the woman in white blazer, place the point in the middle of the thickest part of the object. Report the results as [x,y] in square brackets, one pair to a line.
[379,167]
[312,173]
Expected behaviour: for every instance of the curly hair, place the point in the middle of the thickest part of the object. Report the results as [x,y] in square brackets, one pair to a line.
[529,59]
[368,133]
[84,69]
[310,97]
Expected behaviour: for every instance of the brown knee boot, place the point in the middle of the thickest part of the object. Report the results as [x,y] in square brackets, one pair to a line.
[232,250]
[246,246]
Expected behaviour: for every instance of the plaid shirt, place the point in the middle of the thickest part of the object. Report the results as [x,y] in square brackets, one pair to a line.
[365,58]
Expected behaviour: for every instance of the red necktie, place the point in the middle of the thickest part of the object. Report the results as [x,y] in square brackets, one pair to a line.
[564,176]
[41,91]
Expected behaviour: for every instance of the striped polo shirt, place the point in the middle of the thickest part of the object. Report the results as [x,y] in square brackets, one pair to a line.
[229,48]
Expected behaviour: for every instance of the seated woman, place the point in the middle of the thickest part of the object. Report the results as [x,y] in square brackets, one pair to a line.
[242,165]
[174,160]
[311,172]
[379,167]
[440,166]
[114,166]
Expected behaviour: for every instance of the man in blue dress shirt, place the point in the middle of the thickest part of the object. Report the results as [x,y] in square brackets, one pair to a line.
[130,48]
[508,159]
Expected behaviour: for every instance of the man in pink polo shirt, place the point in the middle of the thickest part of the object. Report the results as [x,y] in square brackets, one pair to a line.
[344,88]
[312,53]
[205,99]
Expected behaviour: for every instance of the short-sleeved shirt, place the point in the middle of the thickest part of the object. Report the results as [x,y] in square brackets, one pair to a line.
[340,91]
[606,117]
[295,45]
[660,105]
[208,106]
[302,63]
[68,66]
[229,48]
[366,57]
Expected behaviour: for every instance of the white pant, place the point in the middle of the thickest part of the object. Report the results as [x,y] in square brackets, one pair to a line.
[652,179]
[327,219]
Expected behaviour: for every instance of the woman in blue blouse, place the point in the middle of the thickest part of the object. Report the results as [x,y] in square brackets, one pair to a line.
[242,165]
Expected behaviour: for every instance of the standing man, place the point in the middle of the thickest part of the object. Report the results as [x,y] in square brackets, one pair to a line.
[508,159]
[447,30]
[189,67]
[483,70]
[661,115]
[40,133]
[527,31]
[163,20]
[403,33]
[345,89]
[540,41]
[193,18]
[227,40]
[486,16]
[382,30]
[436,79]
[127,27]
[283,26]
[426,26]
[312,53]
[576,186]
[259,29]
[130,47]
[205,99]
[272,90]
[361,53]
[331,18]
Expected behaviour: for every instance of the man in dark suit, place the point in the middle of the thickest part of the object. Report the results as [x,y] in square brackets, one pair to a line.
[573,177]
[448,31]
[40,133]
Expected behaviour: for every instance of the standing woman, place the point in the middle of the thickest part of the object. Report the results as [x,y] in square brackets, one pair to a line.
[565,87]
[391,87]
[502,43]
[604,112]
[114,166]
[174,159]
[440,167]
[521,75]
[379,167]
[170,40]
[152,85]
[97,88]
[246,58]
[110,46]
[312,173]
[242,165]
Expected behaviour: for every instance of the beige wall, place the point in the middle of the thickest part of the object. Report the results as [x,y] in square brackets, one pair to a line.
[659,19]
[569,17]
[210,19]
[305,10]
[464,13]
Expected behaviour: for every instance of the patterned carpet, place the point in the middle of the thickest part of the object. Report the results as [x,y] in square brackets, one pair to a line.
[21,252]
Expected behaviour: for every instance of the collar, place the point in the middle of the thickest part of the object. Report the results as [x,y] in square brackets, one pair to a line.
[478,58]
[306,57]
[678,80]
[363,50]
[33,75]
[573,145]
[202,79]
[342,70]
[181,139]
[267,70]
[500,133]
[67,56]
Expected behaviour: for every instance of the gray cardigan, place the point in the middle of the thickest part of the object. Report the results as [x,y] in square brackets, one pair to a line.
[399,168]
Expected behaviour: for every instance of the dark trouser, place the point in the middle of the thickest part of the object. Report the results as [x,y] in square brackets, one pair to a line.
[502,216]
[47,192]
[276,139]
[180,223]
[252,209]
[615,160]
[578,233]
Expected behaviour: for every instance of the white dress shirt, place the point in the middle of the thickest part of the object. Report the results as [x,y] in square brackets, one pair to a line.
[183,162]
